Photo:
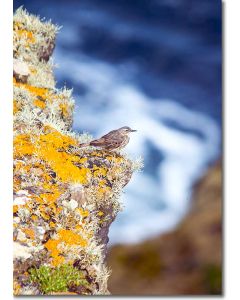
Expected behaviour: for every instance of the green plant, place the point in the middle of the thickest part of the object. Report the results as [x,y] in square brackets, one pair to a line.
[58,279]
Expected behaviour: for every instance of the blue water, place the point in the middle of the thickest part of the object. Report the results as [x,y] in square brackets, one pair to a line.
[155,66]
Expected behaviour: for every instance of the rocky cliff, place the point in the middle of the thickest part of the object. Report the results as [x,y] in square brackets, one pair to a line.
[186,261]
[65,197]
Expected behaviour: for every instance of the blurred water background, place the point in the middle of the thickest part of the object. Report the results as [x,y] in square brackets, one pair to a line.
[154,65]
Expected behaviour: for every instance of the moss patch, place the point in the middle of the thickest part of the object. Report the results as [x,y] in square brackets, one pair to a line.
[58,279]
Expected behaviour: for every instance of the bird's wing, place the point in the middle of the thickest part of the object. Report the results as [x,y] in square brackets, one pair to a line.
[109,135]
[114,143]
[98,142]
[107,141]
[101,141]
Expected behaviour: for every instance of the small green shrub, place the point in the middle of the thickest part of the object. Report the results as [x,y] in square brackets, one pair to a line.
[58,279]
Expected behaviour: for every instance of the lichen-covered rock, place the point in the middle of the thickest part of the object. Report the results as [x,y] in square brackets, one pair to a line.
[33,40]
[65,197]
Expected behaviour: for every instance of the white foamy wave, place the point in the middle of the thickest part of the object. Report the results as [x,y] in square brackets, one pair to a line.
[154,200]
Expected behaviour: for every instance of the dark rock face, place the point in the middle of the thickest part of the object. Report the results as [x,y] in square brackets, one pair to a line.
[186,261]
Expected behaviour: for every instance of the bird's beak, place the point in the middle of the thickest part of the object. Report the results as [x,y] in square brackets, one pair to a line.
[132,130]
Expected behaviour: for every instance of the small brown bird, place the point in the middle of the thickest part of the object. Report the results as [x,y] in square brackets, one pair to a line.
[114,140]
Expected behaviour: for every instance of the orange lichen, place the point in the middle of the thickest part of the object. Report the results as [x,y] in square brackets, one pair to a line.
[16,107]
[82,160]
[34,217]
[16,288]
[44,215]
[82,212]
[59,209]
[79,227]
[50,197]
[71,238]
[37,91]
[59,140]
[52,145]
[68,173]
[39,103]
[52,224]
[51,148]
[16,184]
[15,208]
[64,107]
[29,232]
[102,191]
[19,165]
[28,35]
[58,260]
[52,246]
[64,236]
[102,182]
[100,171]
[116,160]
[17,25]
[23,146]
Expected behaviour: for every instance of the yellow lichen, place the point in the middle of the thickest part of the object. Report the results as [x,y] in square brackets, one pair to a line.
[64,107]
[34,217]
[37,91]
[15,208]
[71,238]
[16,107]
[82,212]
[52,246]
[28,35]
[23,146]
[16,288]
[52,224]
[67,237]
[79,227]
[39,103]
[43,213]
[29,232]
[100,172]
[50,148]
